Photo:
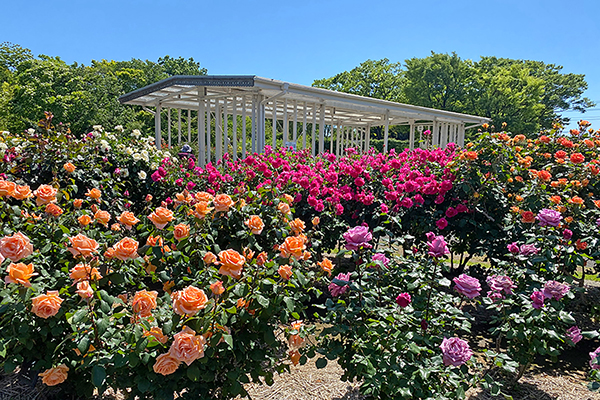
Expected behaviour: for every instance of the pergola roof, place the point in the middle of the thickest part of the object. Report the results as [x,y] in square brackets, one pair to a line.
[184,92]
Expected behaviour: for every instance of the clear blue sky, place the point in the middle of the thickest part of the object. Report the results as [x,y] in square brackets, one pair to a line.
[300,41]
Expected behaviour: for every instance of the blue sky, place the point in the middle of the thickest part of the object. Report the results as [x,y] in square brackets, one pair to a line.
[303,41]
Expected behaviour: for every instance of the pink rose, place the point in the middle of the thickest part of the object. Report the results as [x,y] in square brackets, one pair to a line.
[437,245]
[467,285]
[538,299]
[403,300]
[455,351]
[335,289]
[554,289]
[499,283]
[357,237]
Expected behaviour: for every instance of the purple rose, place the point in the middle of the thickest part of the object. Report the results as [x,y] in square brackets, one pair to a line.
[593,362]
[455,351]
[528,249]
[538,299]
[403,300]
[574,333]
[513,248]
[554,289]
[437,245]
[382,258]
[441,223]
[357,237]
[567,234]
[499,283]
[598,222]
[467,285]
[547,217]
[337,290]
[495,296]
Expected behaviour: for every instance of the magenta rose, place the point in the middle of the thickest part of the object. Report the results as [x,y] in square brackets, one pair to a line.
[403,300]
[554,289]
[538,299]
[513,248]
[358,237]
[441,223]
[499,283]
[337,290]
[593,356]
[495,296]
[381,258]
[567,234]
[574,333]
[528,249]
[547,217]
[455,351]
[467,285]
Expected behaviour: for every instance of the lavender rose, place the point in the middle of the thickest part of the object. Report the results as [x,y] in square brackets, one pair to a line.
[467,285]
[337,290]
[547,217]
[455,351]
[556,290]
[574,333]
[403,300]
[528,249]
[437,245]
[538,299]
[382,258]
[357,237]
[499,283]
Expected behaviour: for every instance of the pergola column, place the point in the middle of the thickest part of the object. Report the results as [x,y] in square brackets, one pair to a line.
[157,128]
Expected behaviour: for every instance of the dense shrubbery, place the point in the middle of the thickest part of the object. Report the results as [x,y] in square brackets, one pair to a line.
[123,263]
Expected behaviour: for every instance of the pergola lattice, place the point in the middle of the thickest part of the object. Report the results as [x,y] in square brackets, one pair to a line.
[228,105]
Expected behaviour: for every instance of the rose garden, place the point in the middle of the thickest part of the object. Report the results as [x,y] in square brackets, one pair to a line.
[133,268]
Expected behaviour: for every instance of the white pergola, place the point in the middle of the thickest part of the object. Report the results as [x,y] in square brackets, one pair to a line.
[226,106]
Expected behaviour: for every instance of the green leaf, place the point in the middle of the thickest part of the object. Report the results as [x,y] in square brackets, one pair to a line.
[321,363]
[567,318]
[98,375]
[289,302]
[263,301]
[83,345]
[193,373]
[143,385]
[229,340]
[79,316]
[495,389]
[102,326]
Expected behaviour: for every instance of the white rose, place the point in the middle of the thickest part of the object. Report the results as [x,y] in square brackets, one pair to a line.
[97,128]
[31,131]
[136,133]
[136,156]
[119,128]
[142,175]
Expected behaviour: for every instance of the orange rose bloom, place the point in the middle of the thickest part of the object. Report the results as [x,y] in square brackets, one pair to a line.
[94,194]
[70,168]
[77,203]
[204,196]
[292,246]
[189,301]
[315,221]
[284,208]
[544,175]
[15,247]
[55,376]
[128,219]
[22,192]
[555,199]
[82,245]
[545,139]
[126,249]
[45,194]
[232,263]
[144,302]
[166,364]
[256,224]
[84,290]
[294,356]
[471,155]
[223,202]
[84,220]
[46,305]
[217,288]
[181,231]
[102,216]
[576,200]
[84,272]
[161,217]
[285,271]
[597,203]
[577,158]
[326,265]
[53,210]
[295,341]
[297,225]
[209,258]
[157,334]
[527,217]
[202,209]
[7,188]
[187,346]
[518,198]
[154,241]
[19,273]
[261,259]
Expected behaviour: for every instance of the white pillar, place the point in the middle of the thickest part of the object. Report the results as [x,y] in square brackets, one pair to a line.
[411,134]
[208,132]
[274,138]
[386,129]
[202,132]
[304,127]
[244,138]
[368,133]
[235,141]
[179,126]
[314,130]
[286,124]
[322,130]
[189,124]
[157,128]
[169,126]
[253,124]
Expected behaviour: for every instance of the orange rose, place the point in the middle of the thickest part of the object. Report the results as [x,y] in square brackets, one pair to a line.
[261,259]
[70,168]
[77,203]
[53,210]
[209,258]
[184,197]
[19,273]
[15,247]
[232,263]
[284,208]
[288,198]
[189,301]
[315,221]
[161,217]
[295,341]
[187,346]
[248,254]
[84,290]
[166,364]
[285,271]
[519,198]
[577,158]
[576,200]
[126,249]
[292,246]
[7,188]
[217,288]
[55,376]
[144,302]
[204,196]
[94,194]
[297,225]
[22,192]
[115,227]
[157,334]
[562,209]
[544,175]
[181,231]
[128,219]
[45,194]
[84,220]
[294,356]
[222,202]
[102,216]
[555,199]
[202,209]
[84,272]
[471,155]
[326,265]
[46,305]
[154,241]
[569,219]
[527,217]
[109,254]
[256,224]
[597,203]
[82,245]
